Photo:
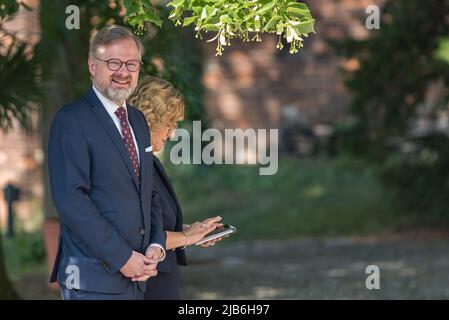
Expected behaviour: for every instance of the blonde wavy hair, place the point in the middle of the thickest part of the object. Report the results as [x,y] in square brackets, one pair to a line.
[159,101]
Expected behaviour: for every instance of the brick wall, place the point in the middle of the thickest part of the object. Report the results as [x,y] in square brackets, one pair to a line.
[252,83]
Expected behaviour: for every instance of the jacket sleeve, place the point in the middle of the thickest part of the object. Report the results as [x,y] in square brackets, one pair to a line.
[157,233]
[69,171]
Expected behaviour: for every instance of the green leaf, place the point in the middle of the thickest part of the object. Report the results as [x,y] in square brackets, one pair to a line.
[265,8]
[306,27]
[135,20]
[301,6]
[299,12]
[197,10]
[225,18]
[147,4]
[175,3]
[188,21]
[133,9]
[127,4]
[203,14]
[442,51]
[213,20]
[153,18]
[210,27]
[270,24]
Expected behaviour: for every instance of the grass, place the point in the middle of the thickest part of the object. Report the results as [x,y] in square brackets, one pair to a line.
[304,198]
[24,254]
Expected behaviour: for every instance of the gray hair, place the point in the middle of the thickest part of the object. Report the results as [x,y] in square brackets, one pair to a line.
[109,34]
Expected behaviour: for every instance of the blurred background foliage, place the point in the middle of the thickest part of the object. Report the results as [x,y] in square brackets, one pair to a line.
[315,197]
[402,82]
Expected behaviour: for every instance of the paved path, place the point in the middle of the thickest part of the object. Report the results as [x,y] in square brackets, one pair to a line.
[318,269]
[306,269]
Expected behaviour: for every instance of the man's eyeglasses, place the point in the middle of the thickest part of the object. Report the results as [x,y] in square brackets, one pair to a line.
[115,64]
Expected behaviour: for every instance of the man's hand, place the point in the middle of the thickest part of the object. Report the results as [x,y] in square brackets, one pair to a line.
[149,271]
[154,253]
[136,266]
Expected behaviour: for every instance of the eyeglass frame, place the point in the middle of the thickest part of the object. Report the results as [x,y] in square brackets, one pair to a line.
[121,64]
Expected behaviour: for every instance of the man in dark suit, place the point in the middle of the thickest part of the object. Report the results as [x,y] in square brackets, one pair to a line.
[101,178]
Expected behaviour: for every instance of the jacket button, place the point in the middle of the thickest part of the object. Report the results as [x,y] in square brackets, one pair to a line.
[105,265]
[142,232]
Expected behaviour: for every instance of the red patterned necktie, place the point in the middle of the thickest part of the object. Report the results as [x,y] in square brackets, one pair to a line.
[128,139]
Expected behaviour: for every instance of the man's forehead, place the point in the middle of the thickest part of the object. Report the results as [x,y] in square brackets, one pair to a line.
[122,47]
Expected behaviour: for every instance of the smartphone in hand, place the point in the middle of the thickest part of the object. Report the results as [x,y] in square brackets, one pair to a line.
[225,230]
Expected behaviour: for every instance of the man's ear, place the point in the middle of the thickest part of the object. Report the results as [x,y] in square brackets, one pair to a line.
[91,64]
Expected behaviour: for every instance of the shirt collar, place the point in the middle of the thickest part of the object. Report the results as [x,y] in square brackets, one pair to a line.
[110,106]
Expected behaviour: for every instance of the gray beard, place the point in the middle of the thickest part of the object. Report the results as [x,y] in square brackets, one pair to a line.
[118,95]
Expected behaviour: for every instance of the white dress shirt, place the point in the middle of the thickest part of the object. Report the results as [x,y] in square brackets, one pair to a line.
[111,107]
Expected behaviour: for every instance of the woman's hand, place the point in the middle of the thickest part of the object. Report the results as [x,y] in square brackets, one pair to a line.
[211,242]
[198,230]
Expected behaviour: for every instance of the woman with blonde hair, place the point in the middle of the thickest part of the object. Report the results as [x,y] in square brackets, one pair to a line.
[163,107]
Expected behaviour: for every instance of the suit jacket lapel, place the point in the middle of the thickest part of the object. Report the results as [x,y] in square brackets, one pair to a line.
[108,124]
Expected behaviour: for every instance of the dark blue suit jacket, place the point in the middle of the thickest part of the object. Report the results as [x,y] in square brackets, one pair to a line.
[166,284]
[104,214]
